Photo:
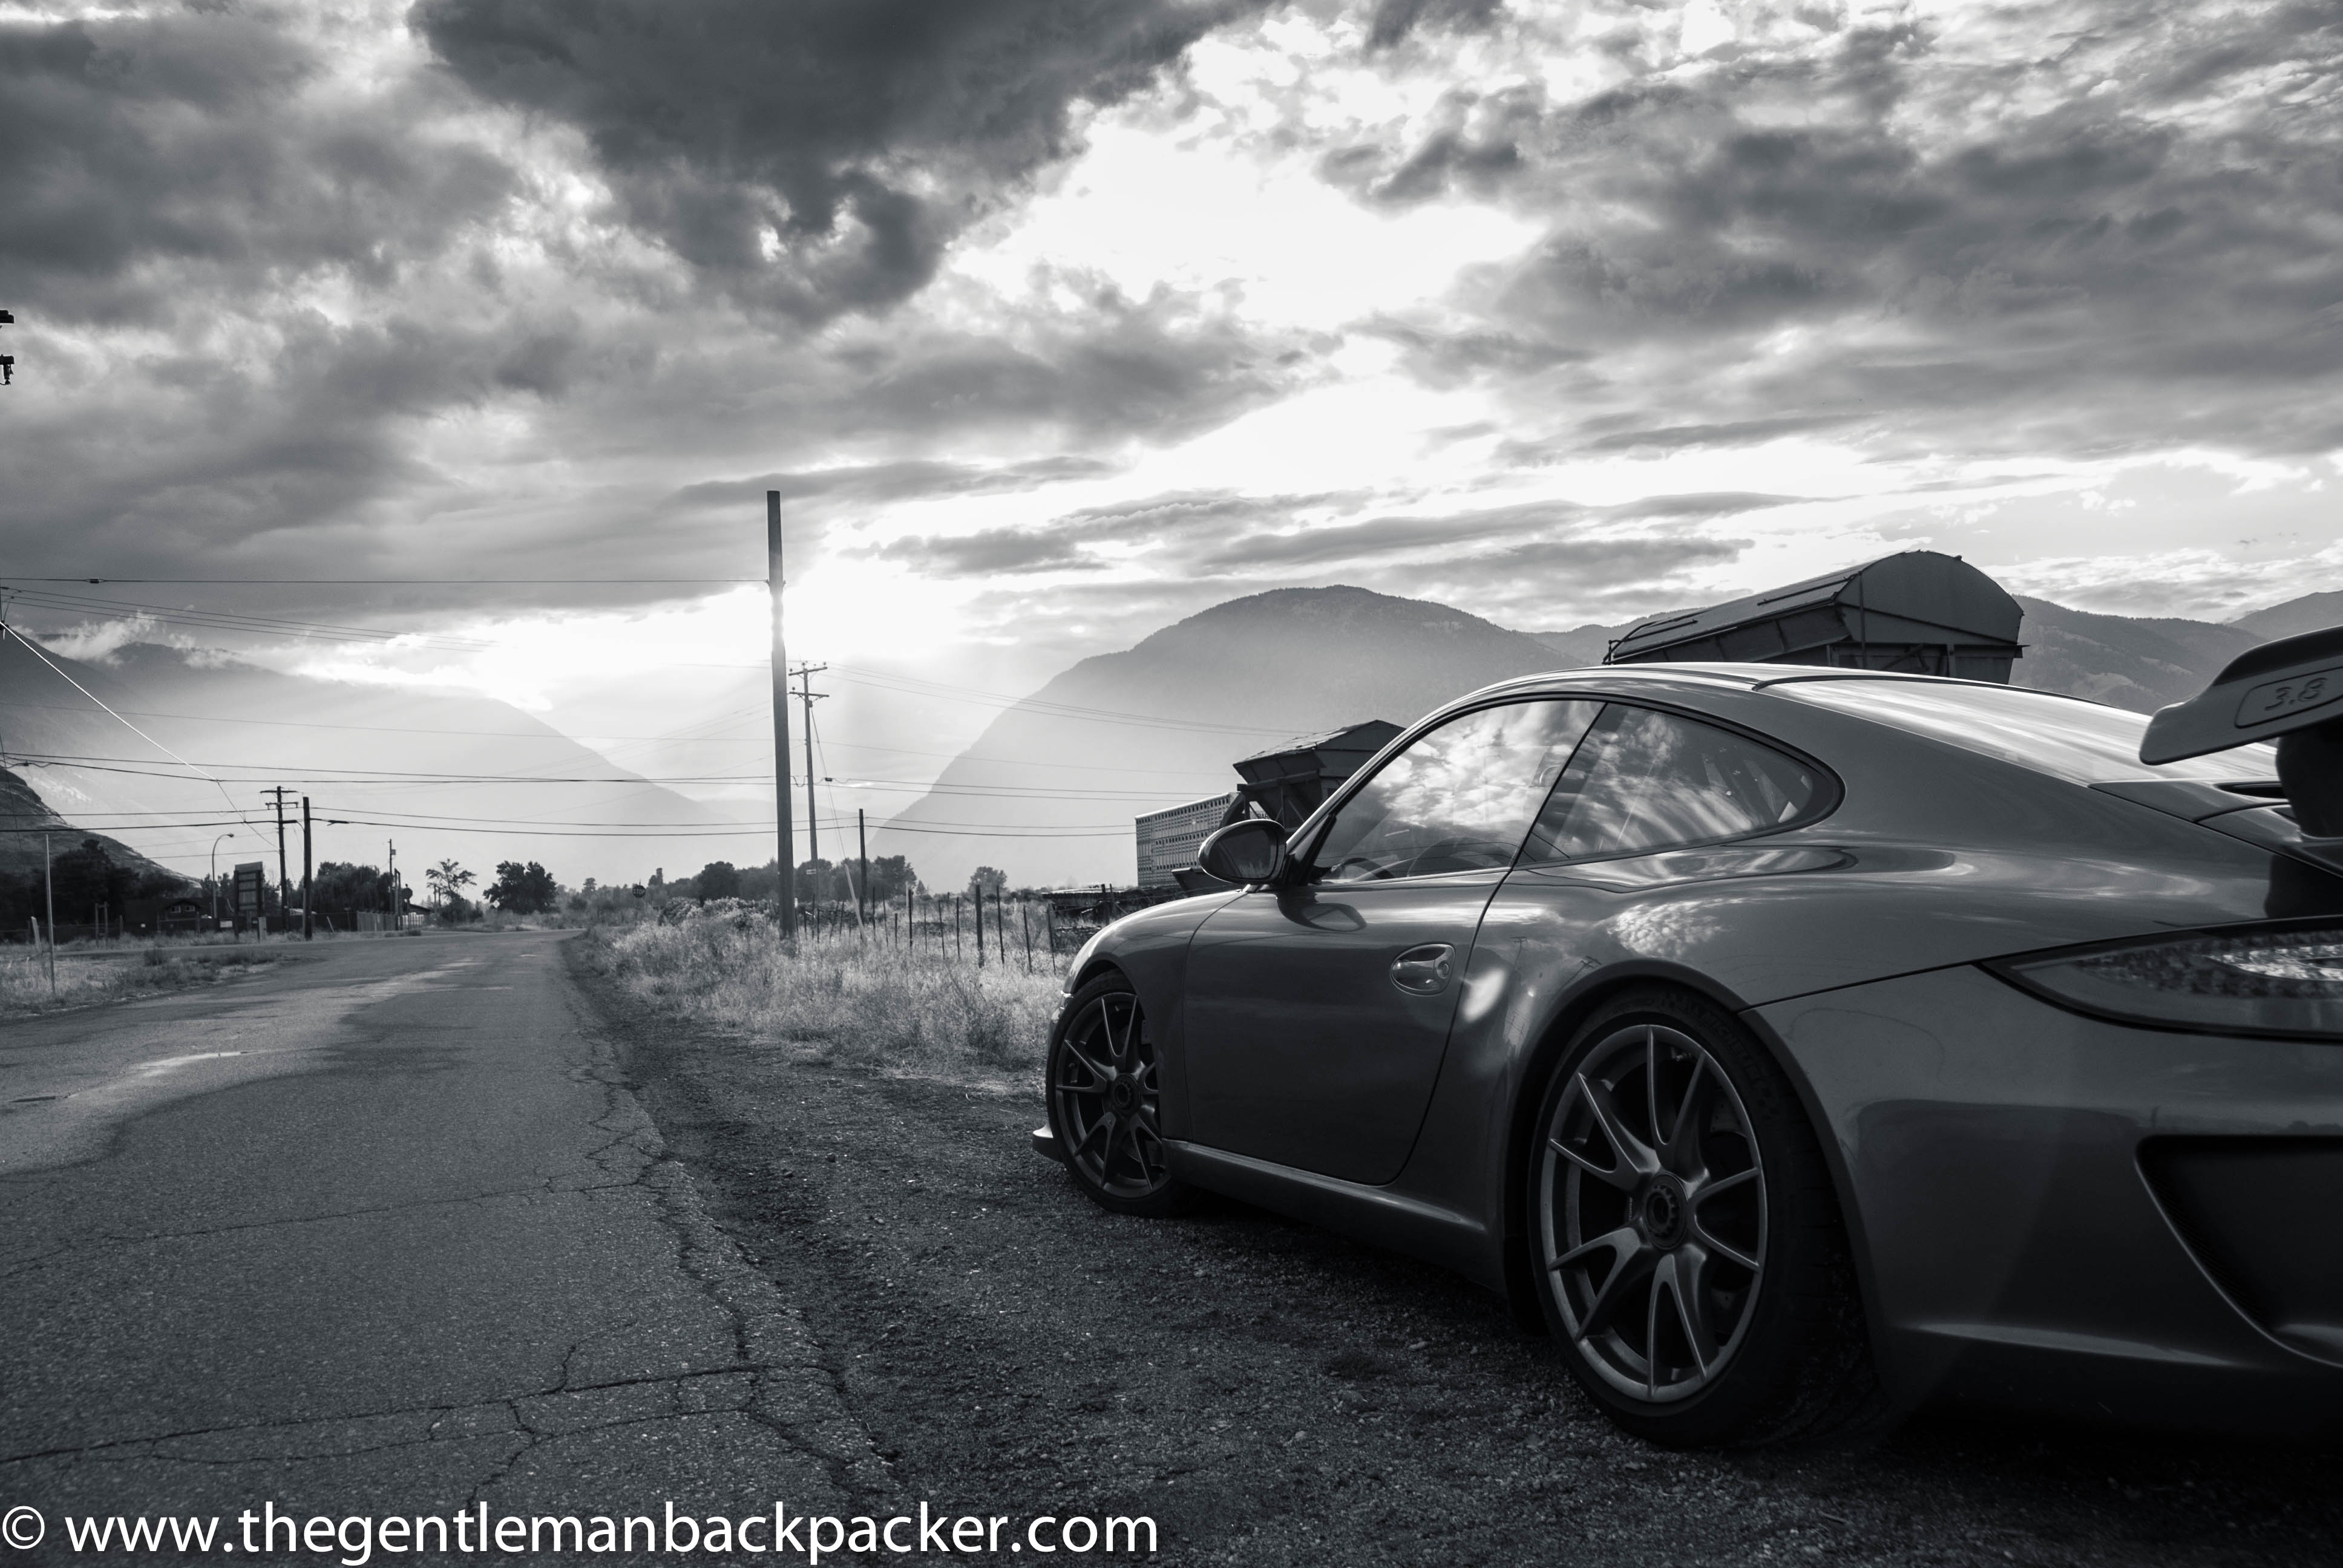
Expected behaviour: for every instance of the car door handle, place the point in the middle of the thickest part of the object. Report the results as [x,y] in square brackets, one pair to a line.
[1424,971]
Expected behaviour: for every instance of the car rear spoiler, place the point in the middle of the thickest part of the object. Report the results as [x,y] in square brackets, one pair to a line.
[2290,691]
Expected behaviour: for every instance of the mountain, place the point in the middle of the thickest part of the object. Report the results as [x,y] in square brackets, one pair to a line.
[2142,664]
[447,775]
[25,819]
[2311,612]
[1059,776]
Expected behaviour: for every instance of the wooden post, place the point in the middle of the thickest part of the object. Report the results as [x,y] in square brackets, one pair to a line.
[785,887]
[308,900]
[49,892]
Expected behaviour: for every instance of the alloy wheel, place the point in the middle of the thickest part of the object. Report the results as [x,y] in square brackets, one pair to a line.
[1652,1222]
[1106,1092]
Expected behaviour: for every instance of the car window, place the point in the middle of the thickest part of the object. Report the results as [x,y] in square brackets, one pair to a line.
[2083,742]
[1643,779]
[1460,797]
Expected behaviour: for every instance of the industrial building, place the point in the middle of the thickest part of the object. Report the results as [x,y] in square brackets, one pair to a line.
[1920,612]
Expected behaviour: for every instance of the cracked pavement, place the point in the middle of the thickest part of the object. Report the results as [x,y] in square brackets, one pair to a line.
[384,1230]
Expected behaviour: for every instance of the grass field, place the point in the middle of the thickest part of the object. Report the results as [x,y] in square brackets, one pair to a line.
[840,996]
[110,971]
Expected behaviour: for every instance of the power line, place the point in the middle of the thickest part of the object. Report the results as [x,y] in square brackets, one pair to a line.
[399,582]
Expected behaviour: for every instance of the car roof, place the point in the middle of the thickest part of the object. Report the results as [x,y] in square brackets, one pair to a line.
[1737,677]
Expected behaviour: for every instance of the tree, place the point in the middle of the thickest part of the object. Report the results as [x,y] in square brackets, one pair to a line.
[339,885]
[448,881]
[988,881]
[521,890]
[890,875]
[718,879]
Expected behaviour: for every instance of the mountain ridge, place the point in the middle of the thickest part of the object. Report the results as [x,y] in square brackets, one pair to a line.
[1292,661]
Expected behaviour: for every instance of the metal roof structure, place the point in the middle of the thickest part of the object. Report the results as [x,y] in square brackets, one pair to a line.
[1921,612]
[1290,781]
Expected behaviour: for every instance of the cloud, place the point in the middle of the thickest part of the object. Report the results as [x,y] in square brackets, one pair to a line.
[2066,226]
[197,140]
[817,156]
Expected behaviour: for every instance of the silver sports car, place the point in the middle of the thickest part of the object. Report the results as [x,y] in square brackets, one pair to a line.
[1793,1045]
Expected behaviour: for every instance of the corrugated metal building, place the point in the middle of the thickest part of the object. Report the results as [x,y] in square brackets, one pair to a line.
[1920,612]
[1168,839]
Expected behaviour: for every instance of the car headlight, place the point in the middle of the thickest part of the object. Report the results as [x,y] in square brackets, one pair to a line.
[2256,980]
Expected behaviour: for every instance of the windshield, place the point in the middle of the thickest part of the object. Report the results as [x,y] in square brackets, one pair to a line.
[2081,741]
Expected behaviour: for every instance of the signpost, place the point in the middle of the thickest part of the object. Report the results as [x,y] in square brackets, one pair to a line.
[251,876]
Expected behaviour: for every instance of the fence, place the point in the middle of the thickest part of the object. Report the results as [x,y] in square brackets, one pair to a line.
[1032,932]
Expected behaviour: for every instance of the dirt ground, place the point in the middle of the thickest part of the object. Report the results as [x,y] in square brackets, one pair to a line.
[1270,1394]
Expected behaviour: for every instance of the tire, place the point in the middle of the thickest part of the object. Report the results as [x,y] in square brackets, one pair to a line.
[1105,1102]
[1684,1240]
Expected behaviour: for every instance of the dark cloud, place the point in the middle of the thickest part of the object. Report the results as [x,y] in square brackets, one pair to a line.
[186,140]
[1386,536]
[1738,433]
[854,137]
[2124,237]
[1393,20]
[907,479]
[1185,524]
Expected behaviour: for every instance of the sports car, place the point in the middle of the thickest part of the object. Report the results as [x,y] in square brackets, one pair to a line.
[1793,1045]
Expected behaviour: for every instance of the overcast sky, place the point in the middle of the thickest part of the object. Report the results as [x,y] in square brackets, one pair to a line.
[1054,320]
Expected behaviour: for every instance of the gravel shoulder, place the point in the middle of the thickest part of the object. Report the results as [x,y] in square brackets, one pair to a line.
[1270,1394]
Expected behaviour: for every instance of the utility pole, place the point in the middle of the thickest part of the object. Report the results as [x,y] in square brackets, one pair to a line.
[398,904]
[808,695]
[284,878]
[786,887]
[308,910]
[49,887]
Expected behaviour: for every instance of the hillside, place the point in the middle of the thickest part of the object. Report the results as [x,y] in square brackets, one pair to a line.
[1193,697]
[25,819]
[398,763]
[2142,664]
[2311,612]
[1235,678]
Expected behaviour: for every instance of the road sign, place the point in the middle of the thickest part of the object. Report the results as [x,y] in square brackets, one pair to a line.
[251,876]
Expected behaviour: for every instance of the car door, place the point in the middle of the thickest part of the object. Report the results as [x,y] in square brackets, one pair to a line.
[1317,1012]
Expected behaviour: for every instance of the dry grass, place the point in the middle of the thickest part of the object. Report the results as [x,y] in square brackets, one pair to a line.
[858,1002]
[112,973]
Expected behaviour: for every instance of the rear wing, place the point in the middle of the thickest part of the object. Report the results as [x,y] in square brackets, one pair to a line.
[2290,691]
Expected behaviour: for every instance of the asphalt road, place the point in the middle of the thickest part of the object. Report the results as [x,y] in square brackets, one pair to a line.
[417,1226]
[377,1232]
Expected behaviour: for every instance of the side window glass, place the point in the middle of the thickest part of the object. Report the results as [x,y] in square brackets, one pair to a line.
[1647,780]
[1459,799]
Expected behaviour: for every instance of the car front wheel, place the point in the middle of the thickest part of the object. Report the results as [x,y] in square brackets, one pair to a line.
[1106,1101]
[1685,1237]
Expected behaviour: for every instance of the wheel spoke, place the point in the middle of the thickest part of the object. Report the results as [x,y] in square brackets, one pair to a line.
[1725,1250]
[1703,1194]
[1687,1117]
[1622,1175]
[1635,1155]
[1116,1049]
[1688,1286]
[1102,1124]
[1074,1051]
[1621,1243]
[1632,1269]
[1663,1277]
[1652,1085]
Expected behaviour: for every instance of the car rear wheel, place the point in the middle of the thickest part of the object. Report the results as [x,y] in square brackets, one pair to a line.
[1106,1101]
[1685,1235]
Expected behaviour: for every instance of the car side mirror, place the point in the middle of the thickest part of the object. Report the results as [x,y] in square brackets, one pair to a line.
[1247,851]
